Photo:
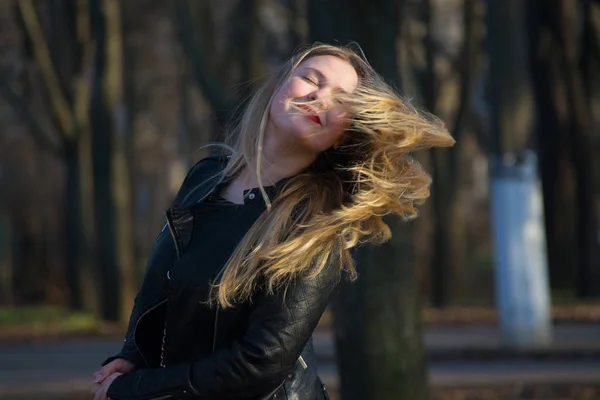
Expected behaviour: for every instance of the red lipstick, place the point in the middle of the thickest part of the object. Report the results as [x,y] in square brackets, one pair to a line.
[312,114]
[314,118]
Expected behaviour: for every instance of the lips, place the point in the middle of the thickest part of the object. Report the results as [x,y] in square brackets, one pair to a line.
[314,118]
[312,114]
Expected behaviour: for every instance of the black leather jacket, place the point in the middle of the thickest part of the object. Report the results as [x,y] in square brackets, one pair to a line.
[272,357]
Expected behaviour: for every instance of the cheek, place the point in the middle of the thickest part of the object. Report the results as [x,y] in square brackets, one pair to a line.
[296,88]
[279,107]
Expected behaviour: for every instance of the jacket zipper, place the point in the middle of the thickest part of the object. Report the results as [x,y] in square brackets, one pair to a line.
[274,395]
[302,362]
[304,365]
[136,326]
[177,251]
[164,335]
[168,396]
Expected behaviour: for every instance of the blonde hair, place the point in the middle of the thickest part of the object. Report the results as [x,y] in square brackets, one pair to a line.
[339,200]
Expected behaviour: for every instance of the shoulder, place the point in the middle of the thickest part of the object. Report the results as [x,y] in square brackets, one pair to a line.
[212,162]
[202,173]
[209,165]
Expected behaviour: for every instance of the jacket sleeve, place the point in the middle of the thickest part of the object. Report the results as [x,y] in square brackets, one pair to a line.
[129,351]
[153,285]
[256,364]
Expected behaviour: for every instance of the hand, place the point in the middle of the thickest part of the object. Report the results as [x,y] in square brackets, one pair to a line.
[117,365]
[99,389]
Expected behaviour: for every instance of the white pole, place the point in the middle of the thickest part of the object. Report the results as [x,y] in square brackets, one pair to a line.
[521,277]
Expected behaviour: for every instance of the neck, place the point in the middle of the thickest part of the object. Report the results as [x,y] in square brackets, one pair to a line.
[279,160]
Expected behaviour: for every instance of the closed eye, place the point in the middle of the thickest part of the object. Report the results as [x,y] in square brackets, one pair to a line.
[336,93]
[310,80]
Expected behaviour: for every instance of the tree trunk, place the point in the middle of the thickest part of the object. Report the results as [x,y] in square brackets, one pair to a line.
[588,246]
[443,186]
[199,64]
[522,295]
[449,246]
[81,279]
[6,266]
[297,23]
[70,112]
[324,28]
[103,146]
[120,174]
[552,141]
[443,261]
[565,122]
[377,325]
[247,39]
[511,101]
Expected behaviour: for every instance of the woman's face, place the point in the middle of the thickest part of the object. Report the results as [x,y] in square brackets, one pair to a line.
[311,129]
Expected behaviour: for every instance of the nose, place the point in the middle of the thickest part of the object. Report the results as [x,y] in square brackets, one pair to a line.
[319,94]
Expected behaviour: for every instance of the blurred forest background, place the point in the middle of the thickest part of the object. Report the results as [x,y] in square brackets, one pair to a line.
[104,103]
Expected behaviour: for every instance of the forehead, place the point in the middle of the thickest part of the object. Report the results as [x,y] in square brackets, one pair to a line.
[337,72]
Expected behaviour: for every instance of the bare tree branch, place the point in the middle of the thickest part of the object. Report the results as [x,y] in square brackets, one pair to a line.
[83,80]
[593,24]
[467,62]
[42,54]
[197,59]
[36,129]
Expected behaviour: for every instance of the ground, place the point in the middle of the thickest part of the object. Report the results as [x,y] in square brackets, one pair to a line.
[466,362]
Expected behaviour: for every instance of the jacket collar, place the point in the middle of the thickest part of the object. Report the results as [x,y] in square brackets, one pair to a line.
[272,190]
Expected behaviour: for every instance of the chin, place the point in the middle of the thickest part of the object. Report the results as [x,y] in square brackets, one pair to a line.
[301,131]
[297,133]
[300,142]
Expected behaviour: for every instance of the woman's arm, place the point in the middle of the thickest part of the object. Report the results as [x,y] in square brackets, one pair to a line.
[252,366]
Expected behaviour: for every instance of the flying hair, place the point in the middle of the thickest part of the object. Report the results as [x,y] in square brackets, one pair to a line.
[339,201]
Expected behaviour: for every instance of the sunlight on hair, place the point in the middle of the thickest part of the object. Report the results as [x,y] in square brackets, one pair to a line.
[338,202]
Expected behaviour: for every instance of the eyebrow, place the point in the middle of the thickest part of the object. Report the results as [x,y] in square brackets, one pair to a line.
[323,77]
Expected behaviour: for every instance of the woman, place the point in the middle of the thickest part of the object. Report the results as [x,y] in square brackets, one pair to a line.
[257,240]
